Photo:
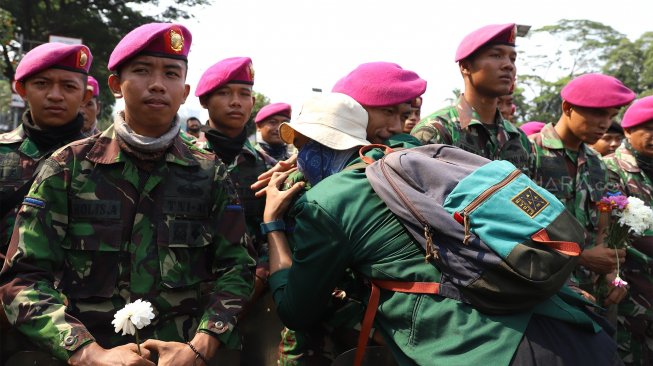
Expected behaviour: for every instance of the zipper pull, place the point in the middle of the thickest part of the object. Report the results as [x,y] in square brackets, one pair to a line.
[466,224]
[431,252]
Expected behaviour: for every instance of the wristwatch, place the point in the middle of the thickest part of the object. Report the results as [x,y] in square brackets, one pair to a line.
[276,225]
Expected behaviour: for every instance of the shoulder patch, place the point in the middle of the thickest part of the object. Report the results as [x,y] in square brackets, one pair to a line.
[34,202]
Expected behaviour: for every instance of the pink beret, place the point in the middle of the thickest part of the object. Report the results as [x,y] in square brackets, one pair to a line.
[154,39]
[75,57]
[490,34]
[531,128]
[380,84]
[237,70]
[92,84]
[638,113]
[273,109]
[597,91]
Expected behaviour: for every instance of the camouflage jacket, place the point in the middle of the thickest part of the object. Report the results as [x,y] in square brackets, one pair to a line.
[244,171]
[460,125]
[578,182]
[20,160]
[96,232]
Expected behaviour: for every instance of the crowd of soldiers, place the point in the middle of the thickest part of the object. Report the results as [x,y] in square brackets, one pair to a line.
[215,230]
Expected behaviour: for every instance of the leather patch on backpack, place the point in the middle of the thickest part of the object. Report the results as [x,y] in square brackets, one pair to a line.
[530,202]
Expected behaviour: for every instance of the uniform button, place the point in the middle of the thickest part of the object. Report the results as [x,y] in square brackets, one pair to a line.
[219,324]
[69,341]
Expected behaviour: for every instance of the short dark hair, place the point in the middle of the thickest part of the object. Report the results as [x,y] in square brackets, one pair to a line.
[615,128]
[191,119]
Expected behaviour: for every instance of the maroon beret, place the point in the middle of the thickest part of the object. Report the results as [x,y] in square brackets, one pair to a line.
[380,84]
[273,109]
[638,113]
[490,34]
[597,91]
[92,85]
[532,127]
[238,70]
[71,57]
[154,39]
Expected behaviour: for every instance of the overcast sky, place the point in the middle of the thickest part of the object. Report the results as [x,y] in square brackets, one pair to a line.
[297,45]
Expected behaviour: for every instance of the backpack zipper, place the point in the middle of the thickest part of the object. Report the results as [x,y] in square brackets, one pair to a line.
[464,214]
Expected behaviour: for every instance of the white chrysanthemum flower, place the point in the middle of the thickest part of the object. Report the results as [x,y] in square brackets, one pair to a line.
[133,316]
[637,216]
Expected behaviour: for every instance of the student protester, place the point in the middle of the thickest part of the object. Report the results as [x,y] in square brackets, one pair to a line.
[486,58]
[566,166]
[610,141]
[268,120]
[132,213]
[340,224]
[631,168]
[52,79]
[91,109]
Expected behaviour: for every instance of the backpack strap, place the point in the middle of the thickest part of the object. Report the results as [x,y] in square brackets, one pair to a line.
[366,159]
[373,303]
[564,247]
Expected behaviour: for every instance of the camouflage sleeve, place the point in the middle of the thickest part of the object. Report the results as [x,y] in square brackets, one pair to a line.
[35,254]
[431,130]
[616,182]
[233,266]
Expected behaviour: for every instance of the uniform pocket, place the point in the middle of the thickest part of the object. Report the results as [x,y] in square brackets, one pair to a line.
[93,259]
[185,253]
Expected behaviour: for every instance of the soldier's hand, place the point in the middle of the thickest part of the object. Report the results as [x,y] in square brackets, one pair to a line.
[93,354]
[283,166]
[277,201]
[172,353]
[602,260]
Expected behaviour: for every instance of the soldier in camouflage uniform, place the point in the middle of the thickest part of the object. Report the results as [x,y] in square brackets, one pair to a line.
[565,165]
[267,122]
[133,213]
[54,91]
[631,168]
[486,58]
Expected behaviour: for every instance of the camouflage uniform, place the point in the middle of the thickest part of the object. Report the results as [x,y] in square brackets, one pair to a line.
[95,232]
[635,313]
[578,180]
[19,163]
[460,125]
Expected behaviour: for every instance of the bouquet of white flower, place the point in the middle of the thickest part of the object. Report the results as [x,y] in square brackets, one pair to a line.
[628,218]
[132,317]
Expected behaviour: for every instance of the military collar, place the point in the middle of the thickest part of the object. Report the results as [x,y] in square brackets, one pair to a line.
[27,147]
[551,140]
[468,116]
[106,150]
[14,136]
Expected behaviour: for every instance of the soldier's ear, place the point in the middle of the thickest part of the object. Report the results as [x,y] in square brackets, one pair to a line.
[464,67]
[114,85]
[566,108]
[20,89]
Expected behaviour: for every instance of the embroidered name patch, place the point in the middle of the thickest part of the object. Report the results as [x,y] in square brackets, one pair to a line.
[530,202]
[34,202]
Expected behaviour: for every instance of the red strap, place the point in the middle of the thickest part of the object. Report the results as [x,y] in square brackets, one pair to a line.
[565,247]
[361,152]
[373,304]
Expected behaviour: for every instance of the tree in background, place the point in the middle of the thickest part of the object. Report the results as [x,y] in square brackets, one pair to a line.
[100,24]
[583,46]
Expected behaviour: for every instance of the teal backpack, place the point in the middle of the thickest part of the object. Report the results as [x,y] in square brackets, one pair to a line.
[502,243]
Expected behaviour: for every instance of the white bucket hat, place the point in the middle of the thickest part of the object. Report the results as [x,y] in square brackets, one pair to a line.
[334,120]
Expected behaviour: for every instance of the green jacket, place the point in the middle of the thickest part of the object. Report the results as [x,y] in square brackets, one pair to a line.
[96,232]
[460,125]
[341,223]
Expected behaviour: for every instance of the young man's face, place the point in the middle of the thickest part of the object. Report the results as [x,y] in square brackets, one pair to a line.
[230,107]
[589,124]
[608,143]
[269,129]
[384,122]
[153,88]
[90,111]
[412,119]
[193,127]
[491,71]
[641,138]
[504,103]
[54,96]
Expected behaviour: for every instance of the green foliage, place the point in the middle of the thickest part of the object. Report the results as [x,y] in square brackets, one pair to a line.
[100,24]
